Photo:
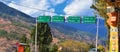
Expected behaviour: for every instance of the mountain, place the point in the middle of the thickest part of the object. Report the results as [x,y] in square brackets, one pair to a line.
[13,26]
[63,31]
[89,27]
[4,9]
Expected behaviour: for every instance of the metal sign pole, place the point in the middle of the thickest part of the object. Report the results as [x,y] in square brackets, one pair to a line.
[97,33]
[36,37]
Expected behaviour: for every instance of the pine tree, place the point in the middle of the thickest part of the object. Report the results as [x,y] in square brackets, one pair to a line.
[44,37]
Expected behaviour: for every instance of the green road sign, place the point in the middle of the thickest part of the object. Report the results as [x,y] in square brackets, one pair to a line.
[89,19]
[44,19]
[57,19]
[73,19]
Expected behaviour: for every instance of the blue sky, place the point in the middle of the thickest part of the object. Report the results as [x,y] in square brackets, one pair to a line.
[60,7]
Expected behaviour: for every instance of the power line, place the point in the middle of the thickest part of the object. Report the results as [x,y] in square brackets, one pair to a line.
[27,6]
[30,7]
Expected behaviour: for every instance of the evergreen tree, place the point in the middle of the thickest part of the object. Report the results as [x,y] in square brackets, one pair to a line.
[44,37]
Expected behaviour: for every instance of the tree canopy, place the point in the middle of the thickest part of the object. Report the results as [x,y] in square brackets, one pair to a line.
[44,37]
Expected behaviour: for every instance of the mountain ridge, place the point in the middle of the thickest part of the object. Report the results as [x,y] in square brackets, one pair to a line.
[13,26]
[14,12]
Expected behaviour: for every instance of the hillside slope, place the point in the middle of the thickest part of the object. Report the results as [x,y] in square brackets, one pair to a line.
[13,26]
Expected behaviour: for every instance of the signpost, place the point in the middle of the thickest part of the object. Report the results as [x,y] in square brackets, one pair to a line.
[74,19]
[71,19]
[44,19]
[89,19]
[57,19]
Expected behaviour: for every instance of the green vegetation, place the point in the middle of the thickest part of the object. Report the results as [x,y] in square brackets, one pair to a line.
[22,25]
[100,8]
[74,46]
[12,35]
[3,33]
[2,25]
[53,48]
[44,37]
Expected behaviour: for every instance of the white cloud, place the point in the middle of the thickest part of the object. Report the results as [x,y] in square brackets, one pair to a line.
[77,6]
[38,4]
[55,2]
[23,9]
[51,13]
[45,13]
